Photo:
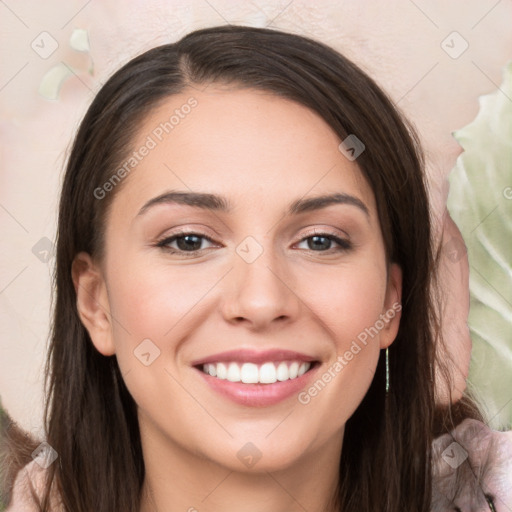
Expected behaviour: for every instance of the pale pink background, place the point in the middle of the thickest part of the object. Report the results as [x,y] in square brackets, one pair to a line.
[398,42]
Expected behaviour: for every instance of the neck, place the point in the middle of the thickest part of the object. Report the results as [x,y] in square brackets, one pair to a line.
[178,480]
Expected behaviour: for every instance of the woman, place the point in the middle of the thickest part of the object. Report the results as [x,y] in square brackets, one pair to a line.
[243,318]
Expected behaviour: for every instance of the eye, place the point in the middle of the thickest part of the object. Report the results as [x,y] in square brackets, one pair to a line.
[186,242]
[318,241]
[190,243]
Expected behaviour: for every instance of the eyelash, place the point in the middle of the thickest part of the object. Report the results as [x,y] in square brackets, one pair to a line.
[344,245]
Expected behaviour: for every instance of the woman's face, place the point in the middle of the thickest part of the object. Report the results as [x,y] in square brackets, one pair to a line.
[269,282]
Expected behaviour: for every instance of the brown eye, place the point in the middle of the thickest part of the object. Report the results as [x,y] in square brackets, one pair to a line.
[186,242]
[323,242]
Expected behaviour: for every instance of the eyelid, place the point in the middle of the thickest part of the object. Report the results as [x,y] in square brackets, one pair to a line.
[188,229]
[326,231]
[161,241]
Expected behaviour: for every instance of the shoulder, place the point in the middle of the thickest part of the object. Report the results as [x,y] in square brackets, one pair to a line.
[470,458]
[31,476]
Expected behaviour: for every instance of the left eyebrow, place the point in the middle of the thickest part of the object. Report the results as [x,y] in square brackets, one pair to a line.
[318,202]
[219,203]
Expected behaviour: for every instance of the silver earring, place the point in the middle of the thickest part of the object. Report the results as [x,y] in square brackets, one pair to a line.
[387,370]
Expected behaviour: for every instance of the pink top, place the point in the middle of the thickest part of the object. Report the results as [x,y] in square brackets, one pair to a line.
[468,460]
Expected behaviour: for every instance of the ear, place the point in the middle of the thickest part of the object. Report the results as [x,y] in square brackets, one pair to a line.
[391,312]
[92,302]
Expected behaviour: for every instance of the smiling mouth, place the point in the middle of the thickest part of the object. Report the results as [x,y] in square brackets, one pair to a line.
[251,373]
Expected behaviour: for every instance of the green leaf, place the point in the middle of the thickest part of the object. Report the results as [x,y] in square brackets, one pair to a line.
[480,203]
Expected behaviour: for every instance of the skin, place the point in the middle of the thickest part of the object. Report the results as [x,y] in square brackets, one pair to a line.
[262,153]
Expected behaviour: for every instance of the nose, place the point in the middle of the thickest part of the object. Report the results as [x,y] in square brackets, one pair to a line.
[261,293]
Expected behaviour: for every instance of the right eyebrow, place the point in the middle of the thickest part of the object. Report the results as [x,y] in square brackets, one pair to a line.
[196,199]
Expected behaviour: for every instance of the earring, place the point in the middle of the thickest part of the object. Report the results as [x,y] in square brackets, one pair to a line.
[387,370]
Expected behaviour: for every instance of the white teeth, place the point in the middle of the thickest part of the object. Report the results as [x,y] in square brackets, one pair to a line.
[303,368]
[268,373]
[210,369]
[250,373]
[222,371]
[233,373]
[282,372]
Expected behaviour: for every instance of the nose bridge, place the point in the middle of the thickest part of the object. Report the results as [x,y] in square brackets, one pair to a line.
[261,286]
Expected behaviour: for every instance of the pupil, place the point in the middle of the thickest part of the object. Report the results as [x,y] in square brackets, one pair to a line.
[192,239]
[315,243]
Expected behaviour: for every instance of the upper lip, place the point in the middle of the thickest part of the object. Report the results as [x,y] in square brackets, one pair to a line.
[253,356]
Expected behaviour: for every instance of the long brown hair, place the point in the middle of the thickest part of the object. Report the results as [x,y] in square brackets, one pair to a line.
[91,418]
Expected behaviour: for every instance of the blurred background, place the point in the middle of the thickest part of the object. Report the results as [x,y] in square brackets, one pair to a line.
[446,65]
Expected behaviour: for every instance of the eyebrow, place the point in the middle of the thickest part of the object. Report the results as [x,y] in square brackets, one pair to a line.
[219,203]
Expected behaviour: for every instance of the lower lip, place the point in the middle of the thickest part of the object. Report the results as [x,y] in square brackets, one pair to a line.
[259,395]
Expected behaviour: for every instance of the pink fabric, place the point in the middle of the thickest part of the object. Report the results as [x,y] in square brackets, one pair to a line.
[469,462]
[21,499]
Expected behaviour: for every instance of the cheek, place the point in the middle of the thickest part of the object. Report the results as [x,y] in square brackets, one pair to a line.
[348,302]
[153,309]
[150,301]
[347,299]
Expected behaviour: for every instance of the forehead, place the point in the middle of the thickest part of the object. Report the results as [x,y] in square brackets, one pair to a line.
[242,143]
